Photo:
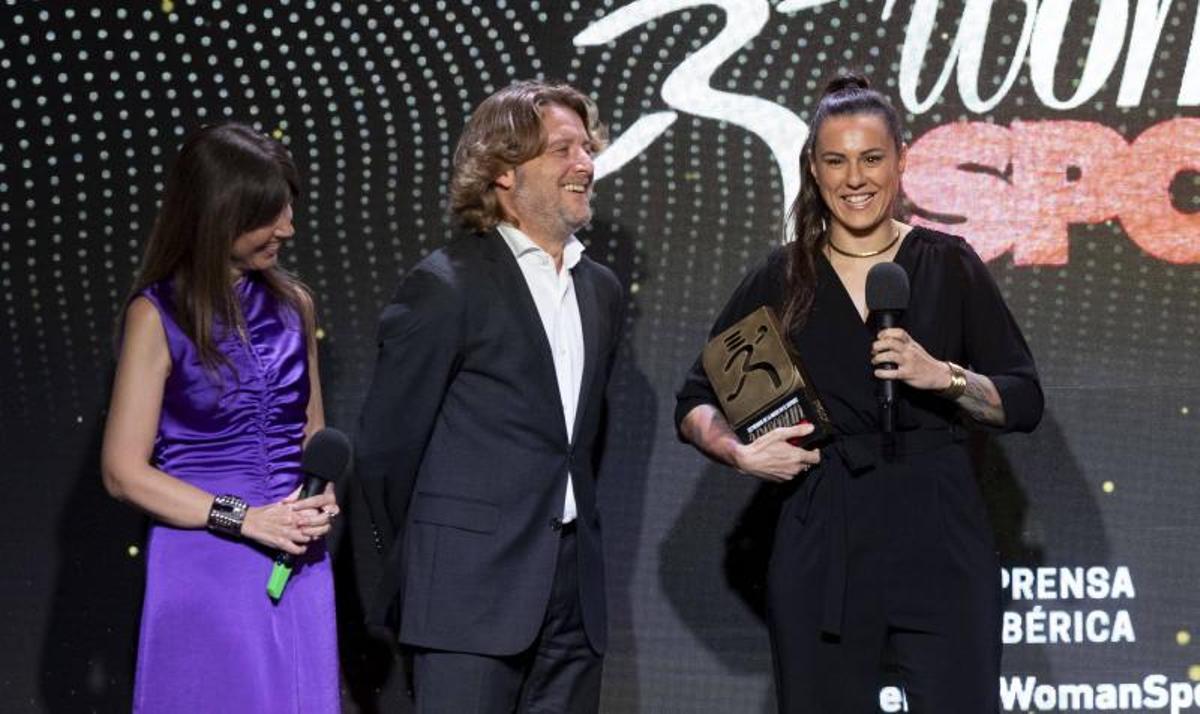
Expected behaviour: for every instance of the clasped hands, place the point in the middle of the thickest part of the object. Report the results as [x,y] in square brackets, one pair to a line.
[291,524]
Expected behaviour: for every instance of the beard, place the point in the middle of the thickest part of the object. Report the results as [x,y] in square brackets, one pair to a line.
[549,212]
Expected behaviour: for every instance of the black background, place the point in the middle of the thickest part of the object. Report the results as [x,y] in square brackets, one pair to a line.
[370,98]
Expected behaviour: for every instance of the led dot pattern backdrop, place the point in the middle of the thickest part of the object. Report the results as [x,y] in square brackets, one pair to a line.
[1061,138]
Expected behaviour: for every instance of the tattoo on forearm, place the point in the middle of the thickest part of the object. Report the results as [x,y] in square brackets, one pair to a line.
[706,428]
[981,401]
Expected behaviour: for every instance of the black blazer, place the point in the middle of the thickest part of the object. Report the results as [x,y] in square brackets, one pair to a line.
[463,456]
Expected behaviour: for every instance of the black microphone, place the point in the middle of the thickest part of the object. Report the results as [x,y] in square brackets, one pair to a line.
[887,299]
[325,459]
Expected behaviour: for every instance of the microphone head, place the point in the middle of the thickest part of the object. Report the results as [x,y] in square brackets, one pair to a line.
[327,454]
[887,288]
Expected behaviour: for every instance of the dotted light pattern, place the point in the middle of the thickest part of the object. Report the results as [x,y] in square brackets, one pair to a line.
[370,98]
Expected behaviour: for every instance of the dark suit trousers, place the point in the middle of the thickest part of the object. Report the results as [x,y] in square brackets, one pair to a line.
[558,674]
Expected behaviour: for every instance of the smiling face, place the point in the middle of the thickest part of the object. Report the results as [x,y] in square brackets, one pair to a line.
[857,169]
[258,249]
[550,195]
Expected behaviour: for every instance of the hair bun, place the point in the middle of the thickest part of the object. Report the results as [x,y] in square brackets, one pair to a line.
[847,82]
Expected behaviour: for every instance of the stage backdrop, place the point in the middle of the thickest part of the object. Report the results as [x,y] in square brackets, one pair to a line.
[1061,138]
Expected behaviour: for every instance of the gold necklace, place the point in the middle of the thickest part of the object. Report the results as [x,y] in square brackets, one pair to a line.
[869,253]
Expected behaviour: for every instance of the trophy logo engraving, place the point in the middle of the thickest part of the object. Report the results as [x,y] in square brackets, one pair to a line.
[760,381]
[739,347]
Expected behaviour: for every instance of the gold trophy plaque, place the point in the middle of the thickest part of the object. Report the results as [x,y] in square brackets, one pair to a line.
[760,381]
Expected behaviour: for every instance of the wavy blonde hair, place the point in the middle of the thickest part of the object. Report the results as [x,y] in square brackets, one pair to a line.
[504,132]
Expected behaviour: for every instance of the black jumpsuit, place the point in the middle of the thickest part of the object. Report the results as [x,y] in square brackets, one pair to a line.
[871,550]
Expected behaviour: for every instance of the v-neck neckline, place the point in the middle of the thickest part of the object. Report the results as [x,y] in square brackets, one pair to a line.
[846,299]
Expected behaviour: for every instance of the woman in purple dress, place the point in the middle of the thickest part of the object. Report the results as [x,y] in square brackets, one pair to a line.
[216,391]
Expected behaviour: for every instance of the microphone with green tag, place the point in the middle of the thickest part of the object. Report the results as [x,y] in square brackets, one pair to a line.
[325,459]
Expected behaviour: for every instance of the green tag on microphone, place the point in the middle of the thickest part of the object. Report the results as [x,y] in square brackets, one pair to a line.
[279,579]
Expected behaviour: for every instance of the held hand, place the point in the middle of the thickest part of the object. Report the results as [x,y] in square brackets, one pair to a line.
[290,524]
[317,513]
[774,458]
[914,366]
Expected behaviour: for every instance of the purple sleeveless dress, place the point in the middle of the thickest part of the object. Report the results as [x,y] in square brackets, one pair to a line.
[211,639]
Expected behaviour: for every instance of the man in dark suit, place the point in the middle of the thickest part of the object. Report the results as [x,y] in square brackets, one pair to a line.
[480,435]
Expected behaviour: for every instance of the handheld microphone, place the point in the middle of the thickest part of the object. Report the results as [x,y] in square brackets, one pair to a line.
[887,299]
[325,459]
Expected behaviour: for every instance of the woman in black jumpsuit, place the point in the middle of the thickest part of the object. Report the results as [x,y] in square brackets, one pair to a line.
[873,552]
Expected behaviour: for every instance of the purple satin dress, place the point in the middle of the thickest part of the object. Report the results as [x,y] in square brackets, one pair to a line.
[211,639]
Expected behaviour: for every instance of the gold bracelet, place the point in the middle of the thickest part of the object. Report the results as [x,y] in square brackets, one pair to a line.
[958,382]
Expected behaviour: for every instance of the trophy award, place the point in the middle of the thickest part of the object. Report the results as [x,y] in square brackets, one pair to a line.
[760,381]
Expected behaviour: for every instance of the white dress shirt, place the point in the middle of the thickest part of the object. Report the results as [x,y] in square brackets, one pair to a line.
[554,294]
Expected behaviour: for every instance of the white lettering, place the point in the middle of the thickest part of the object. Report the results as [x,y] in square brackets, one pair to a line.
[1097,626]
[1107,40]
[1074,583]
[1022,584]
[1106,697]
[1189,90]
[1122,628]
[1060,626]
[1147,28]
[1071,583]
[1076,696]
[1011,631]
[795,5]
[891,699]
[1045,697]
[1035,626]
[1182,696]
[632,142]
[1097,583]
[1123,584]
[1156,691]
[912,57]
[1039,626]
[966,52]
[1016,693]
[1129,695]
[1047,583]
[688,87]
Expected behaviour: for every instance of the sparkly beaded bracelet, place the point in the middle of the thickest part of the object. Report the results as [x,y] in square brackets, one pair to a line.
[226,515]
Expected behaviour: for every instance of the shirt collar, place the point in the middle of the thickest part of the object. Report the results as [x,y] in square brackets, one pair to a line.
[521,245]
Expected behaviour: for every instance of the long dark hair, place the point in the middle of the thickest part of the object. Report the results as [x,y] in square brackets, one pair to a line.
[847,94]
[227,180]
